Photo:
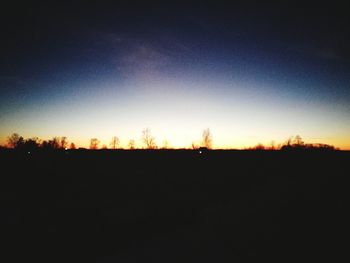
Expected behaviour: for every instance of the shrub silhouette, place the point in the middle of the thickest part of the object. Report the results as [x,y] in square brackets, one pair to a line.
[72,146]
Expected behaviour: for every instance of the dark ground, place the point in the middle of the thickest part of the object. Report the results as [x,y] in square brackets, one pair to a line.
[174,206]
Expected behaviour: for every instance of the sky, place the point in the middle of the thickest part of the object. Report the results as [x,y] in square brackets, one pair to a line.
[250,72]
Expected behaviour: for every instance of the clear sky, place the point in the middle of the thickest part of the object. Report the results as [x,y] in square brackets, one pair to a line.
[250,73]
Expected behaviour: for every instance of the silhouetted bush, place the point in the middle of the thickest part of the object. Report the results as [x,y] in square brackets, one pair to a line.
[298,145]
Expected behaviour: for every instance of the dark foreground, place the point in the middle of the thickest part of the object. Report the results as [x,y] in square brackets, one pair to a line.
[174,206]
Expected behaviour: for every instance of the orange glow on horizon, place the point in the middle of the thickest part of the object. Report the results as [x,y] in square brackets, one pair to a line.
[341,143]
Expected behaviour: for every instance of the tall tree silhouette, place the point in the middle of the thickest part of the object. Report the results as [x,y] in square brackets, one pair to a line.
[207,139]
[148,139]
[52,144]
[115,142]
[63,142]
[14,140]
[94,142]
[55,142]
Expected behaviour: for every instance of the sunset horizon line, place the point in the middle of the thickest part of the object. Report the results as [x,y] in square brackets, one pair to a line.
[141,144]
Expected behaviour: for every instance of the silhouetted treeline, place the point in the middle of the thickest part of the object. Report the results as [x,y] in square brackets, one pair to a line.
[295,144]
[33,144]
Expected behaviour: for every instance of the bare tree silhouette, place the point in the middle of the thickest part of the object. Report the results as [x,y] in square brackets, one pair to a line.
[14,140]
[288,142]
[55,142]
[94,142]
[298,140]
[131,144]
[207,139]
[63,142]
[148,139]
[115,142]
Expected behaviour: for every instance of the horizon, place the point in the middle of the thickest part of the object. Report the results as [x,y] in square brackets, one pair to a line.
[149,142]
[250,73]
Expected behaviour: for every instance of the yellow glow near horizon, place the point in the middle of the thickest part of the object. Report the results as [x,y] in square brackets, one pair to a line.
[178,111]
[183,141]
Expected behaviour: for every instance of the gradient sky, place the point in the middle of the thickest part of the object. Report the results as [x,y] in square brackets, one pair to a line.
[252,73]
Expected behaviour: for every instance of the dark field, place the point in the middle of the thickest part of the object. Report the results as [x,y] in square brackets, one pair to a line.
[174,206]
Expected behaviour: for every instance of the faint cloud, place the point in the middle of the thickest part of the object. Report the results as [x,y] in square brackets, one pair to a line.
[144,57]
[148,54]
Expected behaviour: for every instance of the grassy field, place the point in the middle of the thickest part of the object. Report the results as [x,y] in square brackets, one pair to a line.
[174,206]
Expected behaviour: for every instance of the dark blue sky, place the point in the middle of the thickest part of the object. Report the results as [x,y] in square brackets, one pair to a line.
[252,72]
